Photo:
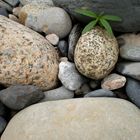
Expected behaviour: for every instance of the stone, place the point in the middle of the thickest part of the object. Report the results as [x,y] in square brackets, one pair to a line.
[133,91]
[84,89]
[16,11]
[18,97]
[3,12]
[127,10]
[113,81]
[94,84]
[13,17]
[76,119]
[6,6]
[130,49]
[100,93]
[63,47]
[131,69]
[12,2]
[96,53]
[69,76]
[2,110]
[73,39]
[46,19]
[3,124]
[60,93]
[26,57]
[47,2]
[52,38]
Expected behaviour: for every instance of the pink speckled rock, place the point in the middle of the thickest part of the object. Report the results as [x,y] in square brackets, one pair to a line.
[26,57]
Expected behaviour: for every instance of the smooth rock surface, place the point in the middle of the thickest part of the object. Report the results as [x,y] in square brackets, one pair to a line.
[131,69]
[3,12]
[2,109]
[16,11]
[133,91]
[76,119]
[19,96]
[2,124]
[13,17]
[130,49]
[46,19]
[128,10]
[26,57]
[113,81]
[12,2]
[69,76]
[47,2]
[100,93]
[96,53]
[73,39]
[5,5]
[58,94]
[63,47]
[52,38]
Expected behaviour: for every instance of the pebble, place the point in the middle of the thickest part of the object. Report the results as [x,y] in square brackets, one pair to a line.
[53,39]
[133,91]
[63,47]
[18,97]
[16,11]
[3,124]
[76,119]
[130,49]
[13,17]
[3,12]
[131,69]
[94,84]
[73,39]
[12,2]
[100,93]
[2,109]
[6,6]
[113,81]
[46,19]
[58,94]
[69,76]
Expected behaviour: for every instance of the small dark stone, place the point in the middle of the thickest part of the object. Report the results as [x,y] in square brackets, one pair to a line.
[2,109]
[3,12]
[3,124]
[133,91]
[20,96]
[63,47]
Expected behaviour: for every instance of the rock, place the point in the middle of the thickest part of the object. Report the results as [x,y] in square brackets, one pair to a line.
[73,39]
[48,2]
[13,17]
[96,53]
[5,5]
[63,59]
[46,19]
[26,57]
[100,93]
[113,81]
[69,76]
[3,124]
[58,94]
[94,84]
[133,91]
[3,12]
[12,2]
[131,69]
[2,109]
[76,119]
[53,39]
[120,93]
[16,11]
[130,49]
[84,89]
[19,96]
[122,8]
[63,47]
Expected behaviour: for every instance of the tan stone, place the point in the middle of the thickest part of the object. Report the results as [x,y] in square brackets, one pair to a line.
[76,119]
[26,57]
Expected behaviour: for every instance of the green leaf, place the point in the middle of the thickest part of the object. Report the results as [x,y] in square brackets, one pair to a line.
[90,26]
[86,13]
[107,26]
[112,18]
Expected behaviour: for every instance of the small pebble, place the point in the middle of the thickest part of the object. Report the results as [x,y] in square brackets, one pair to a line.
[3,12]
[13,17]
[53,39]
[16,11]
[63,47]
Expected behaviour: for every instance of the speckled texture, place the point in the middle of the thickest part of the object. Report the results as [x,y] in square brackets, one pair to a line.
[96,53]
[26,57]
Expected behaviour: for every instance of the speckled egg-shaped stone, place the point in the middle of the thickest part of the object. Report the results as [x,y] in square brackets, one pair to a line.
[26,57]
[96,53]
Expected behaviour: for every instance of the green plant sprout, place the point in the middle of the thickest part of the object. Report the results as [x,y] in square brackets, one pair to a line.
[98,19]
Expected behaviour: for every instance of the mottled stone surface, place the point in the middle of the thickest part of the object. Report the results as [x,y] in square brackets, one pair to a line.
[113,81]
[26,57]
[96,53]
[46,19]
[131,69]
[76,119]
[130,47]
